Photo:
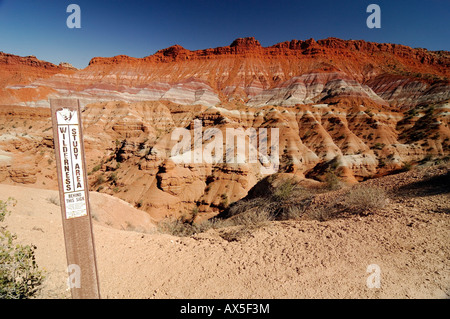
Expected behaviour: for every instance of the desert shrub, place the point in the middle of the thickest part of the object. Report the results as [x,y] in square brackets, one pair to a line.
[112,177]
[129,226]
[406,167]
[361,200]
[334,163]
[332,182]
[184,225]
[177,227]
[94,215]
[252,218]
[20,277]
[100,180]
[54,200]
[285,190]
[289,210]
[427,158]
[320,213]
[171,226]
[96,168]
[240,225]
[245,205]
[364,199]
[249,217]
[224,201]
[213,223]
[286,201]
[325,210]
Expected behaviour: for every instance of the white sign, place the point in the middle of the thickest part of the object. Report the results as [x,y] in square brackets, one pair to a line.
[71,163]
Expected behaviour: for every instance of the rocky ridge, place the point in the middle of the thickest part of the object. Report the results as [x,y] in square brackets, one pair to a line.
[359,109]
[129,149]
[287,73]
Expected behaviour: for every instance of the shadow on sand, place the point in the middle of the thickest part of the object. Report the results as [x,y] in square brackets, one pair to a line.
[435,185]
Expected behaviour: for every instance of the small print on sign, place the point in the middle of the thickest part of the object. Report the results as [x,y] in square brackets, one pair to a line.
[71,163]
[75,204]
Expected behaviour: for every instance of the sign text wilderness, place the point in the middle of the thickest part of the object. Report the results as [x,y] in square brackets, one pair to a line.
[74,197]
[71,163]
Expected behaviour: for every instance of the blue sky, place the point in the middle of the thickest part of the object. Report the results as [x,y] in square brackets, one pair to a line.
[139,28]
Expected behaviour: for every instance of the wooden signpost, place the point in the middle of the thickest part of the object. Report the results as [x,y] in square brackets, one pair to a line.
[74,198]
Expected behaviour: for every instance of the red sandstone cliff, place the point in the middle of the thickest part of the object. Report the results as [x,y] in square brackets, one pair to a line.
[371,108]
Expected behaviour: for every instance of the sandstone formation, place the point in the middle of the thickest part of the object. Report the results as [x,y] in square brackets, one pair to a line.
[288,73]
[353,108]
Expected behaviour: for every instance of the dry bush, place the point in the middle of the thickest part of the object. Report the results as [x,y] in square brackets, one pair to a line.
[253,218]
[176,227]
[213,223]
[361,200]
[291,210]
[286,201]
[245,205]
[364,200]
[320,213]
[246,219]
[54,200]
[332,181]
[242,225]
[184,226]
[20,277]
[286,190]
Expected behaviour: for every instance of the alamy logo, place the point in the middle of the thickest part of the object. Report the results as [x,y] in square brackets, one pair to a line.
[74,19]
[208,146]
[373,20]
[74,279]
[374,279]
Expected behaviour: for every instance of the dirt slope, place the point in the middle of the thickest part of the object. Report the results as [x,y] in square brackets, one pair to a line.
[129,149]
[408,240]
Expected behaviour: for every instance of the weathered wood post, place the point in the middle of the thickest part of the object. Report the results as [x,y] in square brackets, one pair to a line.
[74,198]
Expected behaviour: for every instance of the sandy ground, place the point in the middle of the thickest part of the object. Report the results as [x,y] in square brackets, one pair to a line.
[409,241]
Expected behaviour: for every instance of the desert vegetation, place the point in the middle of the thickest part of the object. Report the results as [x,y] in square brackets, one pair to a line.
[288,200]
[20,277]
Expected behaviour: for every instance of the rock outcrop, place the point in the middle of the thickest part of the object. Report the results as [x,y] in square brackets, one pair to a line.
[287,73]
[355,108]
[129,148]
